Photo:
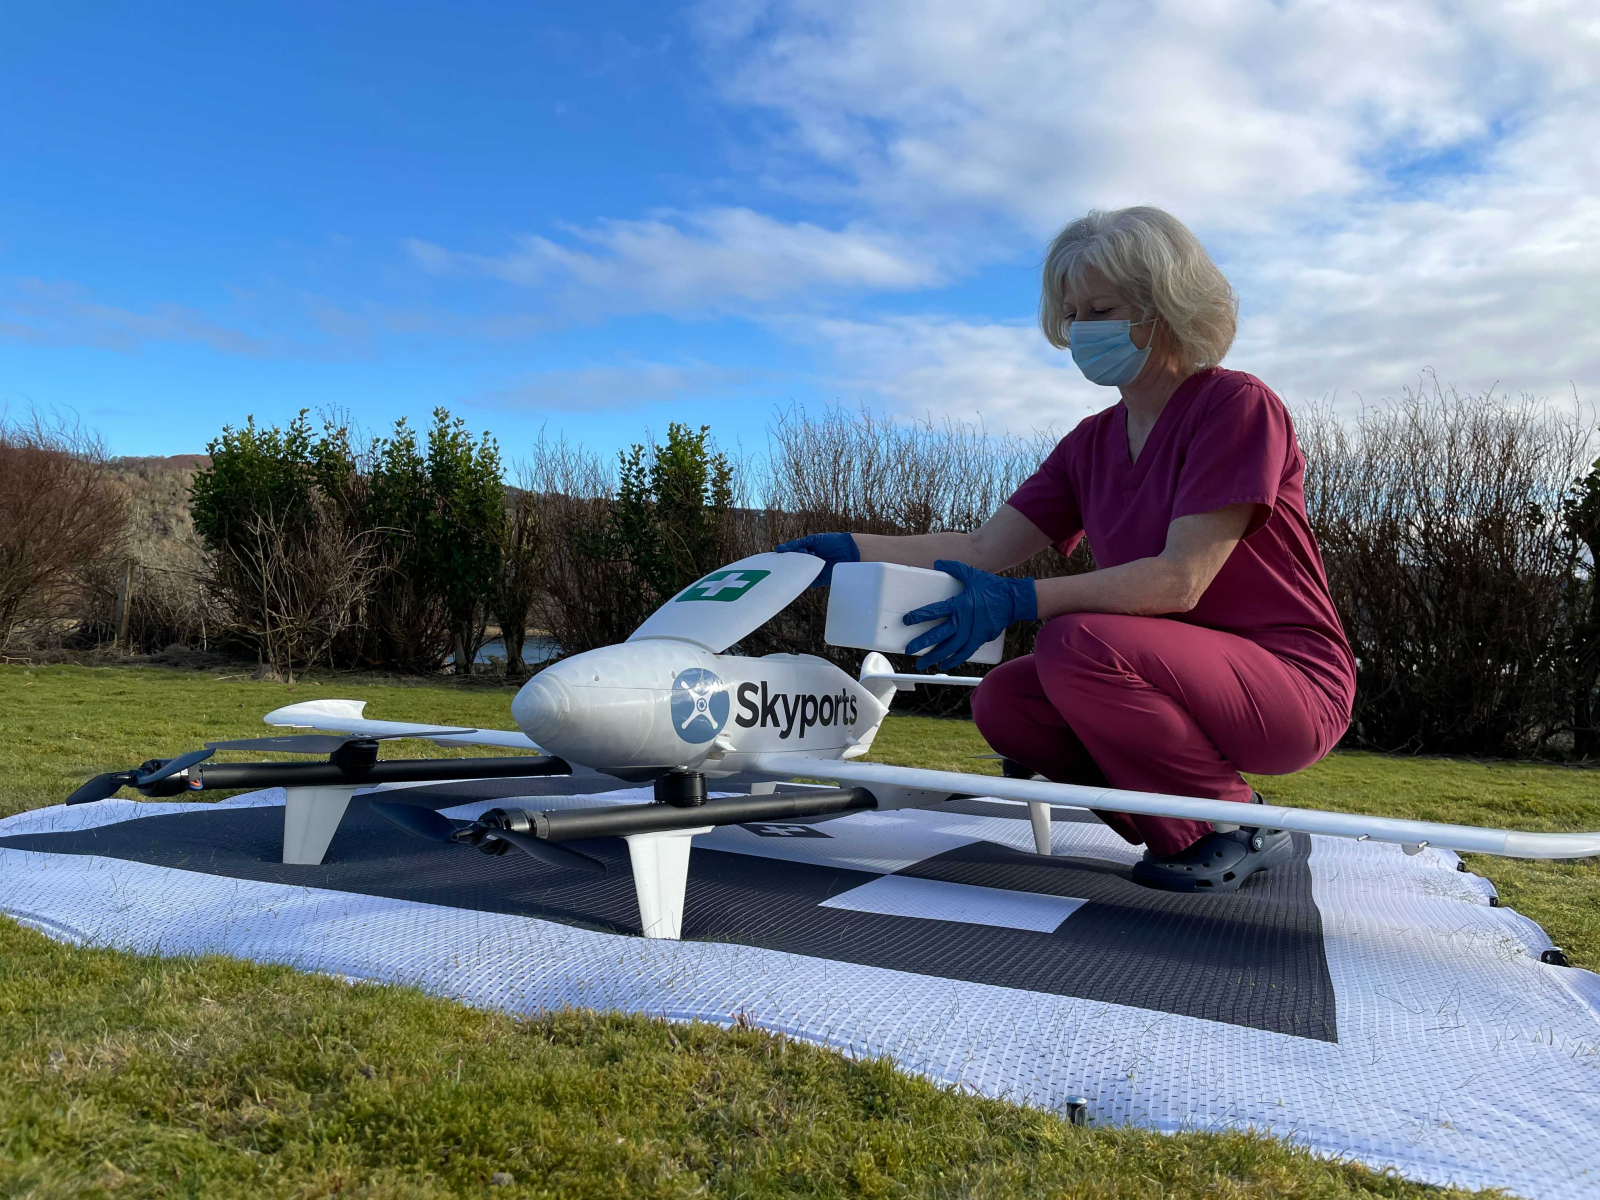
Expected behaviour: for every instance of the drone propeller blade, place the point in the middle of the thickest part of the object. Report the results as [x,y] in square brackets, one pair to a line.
[322,743]
[170,768]
[416,820]
[426,823]
[549,852]
[101,787]
[294,743]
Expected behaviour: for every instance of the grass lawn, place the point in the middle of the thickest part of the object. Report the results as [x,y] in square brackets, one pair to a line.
[209,1077]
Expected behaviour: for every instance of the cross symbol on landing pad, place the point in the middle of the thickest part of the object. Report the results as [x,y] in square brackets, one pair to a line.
[786,831]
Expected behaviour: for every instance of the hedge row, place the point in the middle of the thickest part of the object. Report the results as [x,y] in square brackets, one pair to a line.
[1459,535]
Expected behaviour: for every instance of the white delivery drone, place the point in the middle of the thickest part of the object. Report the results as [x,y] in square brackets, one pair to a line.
[669,706]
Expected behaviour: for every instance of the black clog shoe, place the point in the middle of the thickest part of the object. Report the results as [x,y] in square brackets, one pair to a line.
[1218,862]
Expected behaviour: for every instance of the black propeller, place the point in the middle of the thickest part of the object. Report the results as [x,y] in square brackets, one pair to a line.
[491,833]
[104,786]
[321,743]
[349,752]
[419,821]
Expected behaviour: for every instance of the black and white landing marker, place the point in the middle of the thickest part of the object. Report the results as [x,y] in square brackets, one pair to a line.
[774,830]
[1362,1001]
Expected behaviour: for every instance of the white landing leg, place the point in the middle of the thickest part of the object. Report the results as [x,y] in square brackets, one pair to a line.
[660,875]
[310,817]
[1039,815]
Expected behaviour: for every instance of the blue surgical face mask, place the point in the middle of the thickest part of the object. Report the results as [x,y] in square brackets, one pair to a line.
[1105,353]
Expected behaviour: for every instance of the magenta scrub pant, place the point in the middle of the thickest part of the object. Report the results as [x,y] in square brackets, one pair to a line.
[1148,704]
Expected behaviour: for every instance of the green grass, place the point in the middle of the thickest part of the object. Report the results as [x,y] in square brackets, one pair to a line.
[63,724]
[208,1077]
[217,1078]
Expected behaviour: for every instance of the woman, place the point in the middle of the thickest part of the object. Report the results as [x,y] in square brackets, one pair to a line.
[1206,643]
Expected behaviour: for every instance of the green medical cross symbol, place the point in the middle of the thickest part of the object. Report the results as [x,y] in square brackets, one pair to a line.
[724,585]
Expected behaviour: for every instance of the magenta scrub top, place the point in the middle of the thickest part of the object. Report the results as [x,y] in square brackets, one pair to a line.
[1223,438]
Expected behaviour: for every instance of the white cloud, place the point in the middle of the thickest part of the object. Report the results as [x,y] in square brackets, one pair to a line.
[61,313]
[687,262]
[1392,186]
[1491,282]
[1005,377]
[628,386]
[364,328]
[274,324]
[1488,280]
[1225,109]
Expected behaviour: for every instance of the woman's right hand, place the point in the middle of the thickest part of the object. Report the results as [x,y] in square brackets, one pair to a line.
[832,548]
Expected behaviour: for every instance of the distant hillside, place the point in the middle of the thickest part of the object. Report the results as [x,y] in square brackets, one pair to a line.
[159,491]
[169,605]
[155,464]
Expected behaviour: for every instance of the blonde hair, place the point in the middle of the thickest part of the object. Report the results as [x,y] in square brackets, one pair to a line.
[1160,267]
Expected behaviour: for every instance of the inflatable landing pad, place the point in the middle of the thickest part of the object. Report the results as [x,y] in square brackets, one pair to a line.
[1362,1002]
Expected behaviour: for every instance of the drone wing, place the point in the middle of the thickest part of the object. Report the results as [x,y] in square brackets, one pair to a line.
[718,609]
[1412,834]
[345,716]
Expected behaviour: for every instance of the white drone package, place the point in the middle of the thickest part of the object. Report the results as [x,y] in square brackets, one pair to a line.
[868,600]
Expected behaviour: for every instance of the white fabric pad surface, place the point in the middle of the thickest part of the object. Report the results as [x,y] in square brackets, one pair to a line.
[1460,1059]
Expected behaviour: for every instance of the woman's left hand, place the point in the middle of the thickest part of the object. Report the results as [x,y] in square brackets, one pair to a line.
[982,610]
[831,548]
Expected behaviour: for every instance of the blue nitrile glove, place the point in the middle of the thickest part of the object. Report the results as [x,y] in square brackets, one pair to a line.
[832,548]
[984,607]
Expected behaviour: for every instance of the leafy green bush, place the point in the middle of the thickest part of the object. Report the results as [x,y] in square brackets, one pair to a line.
[257,471]
[443,507]
[378,555]
[670,518]
[292,563]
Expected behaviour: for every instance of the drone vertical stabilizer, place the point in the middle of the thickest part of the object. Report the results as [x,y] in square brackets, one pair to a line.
[876,674]
[719,608]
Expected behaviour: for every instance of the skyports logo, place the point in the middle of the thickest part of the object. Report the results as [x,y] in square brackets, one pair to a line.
[699,705]
[725,586]
[783,711]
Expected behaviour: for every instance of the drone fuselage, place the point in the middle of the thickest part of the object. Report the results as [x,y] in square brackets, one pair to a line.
[660,704]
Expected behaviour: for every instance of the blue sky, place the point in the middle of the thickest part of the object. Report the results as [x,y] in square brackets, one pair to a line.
[599,220]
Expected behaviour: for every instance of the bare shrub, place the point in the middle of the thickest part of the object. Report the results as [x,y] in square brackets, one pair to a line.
[296,582]
[169,602]
[868,474]
[621,544]
[521,577]
[163,586]
[1439,518]
[860,473]
[578,605]
[61,516]
[160,561]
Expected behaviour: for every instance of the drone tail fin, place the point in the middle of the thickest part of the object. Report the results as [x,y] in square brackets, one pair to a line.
[874,670]
[875,676]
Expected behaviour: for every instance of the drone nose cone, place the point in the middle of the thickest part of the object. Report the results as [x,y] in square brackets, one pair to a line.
[543,710]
